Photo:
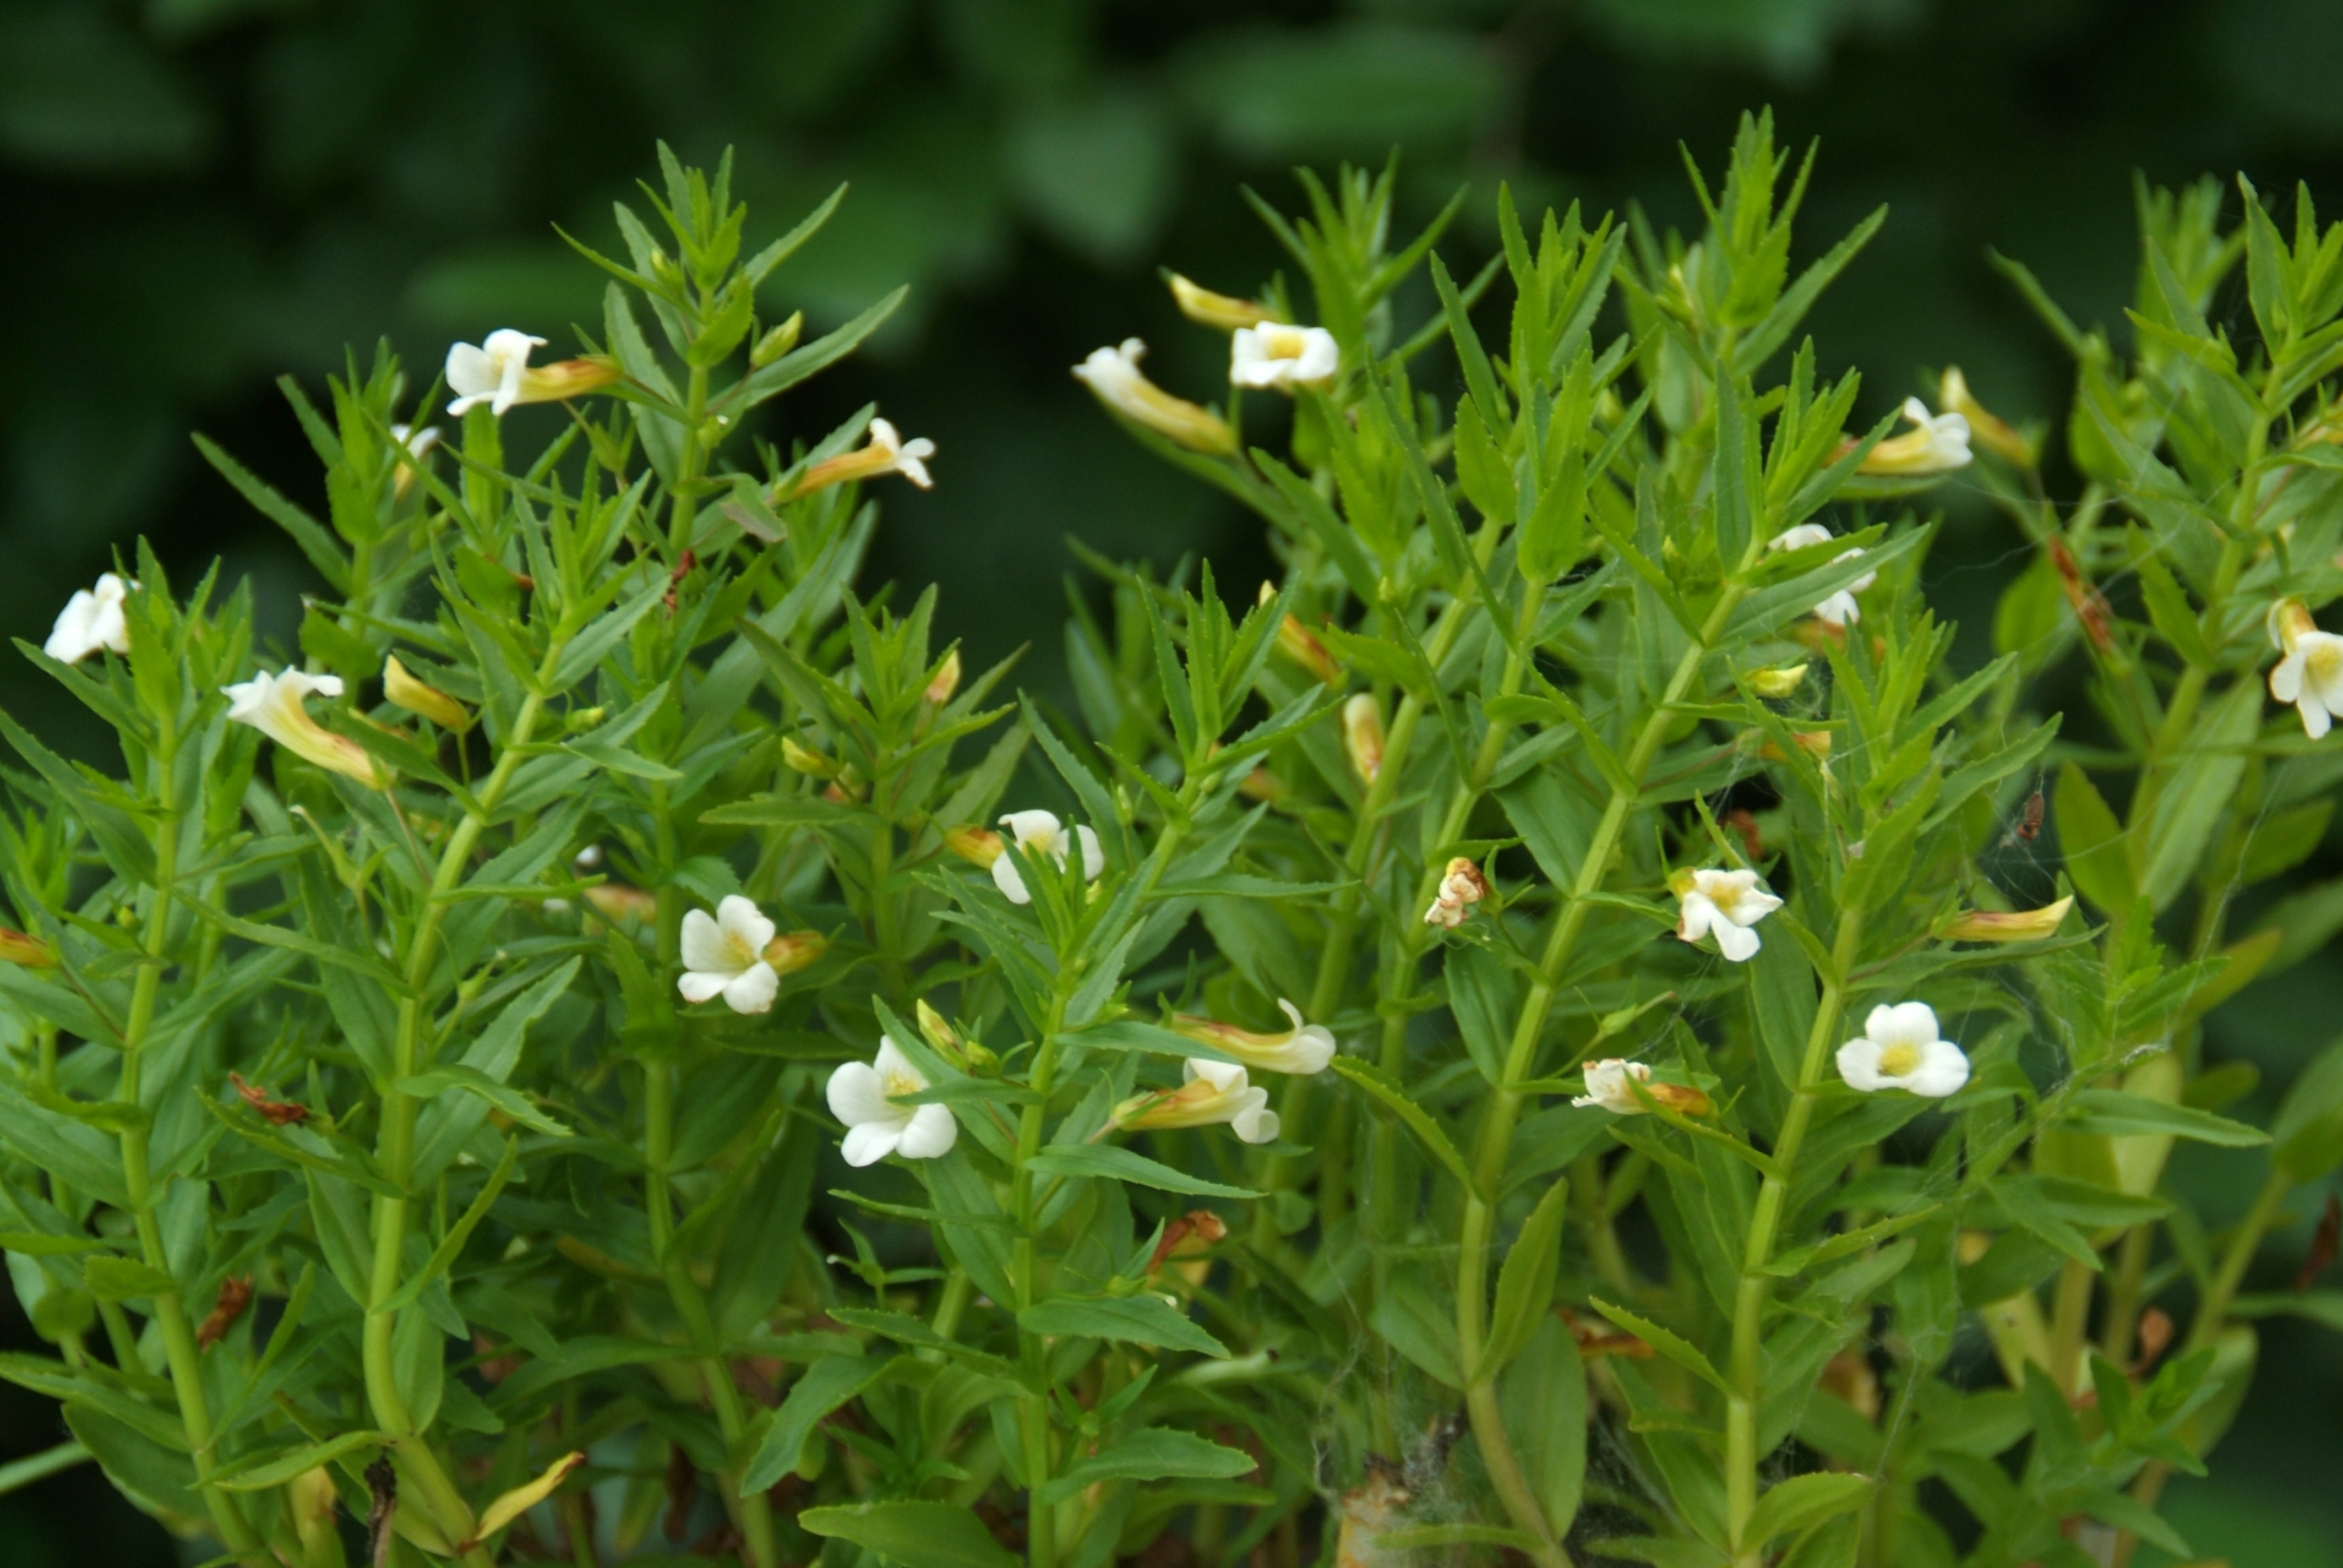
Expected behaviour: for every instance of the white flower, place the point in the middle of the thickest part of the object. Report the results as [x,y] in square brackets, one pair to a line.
[1898,1049]
[860,1096]
[1213,1092]
[726,957]
[2310,675]
[272,705]
[90,621]
[1272,354]
[414,448]
[1725,904]
[885,453]
[490,373]
[497,373]
[1114,375]
[1304,1049]
[1606,1085]
[1937,444]
[1040,833]
[1840,608]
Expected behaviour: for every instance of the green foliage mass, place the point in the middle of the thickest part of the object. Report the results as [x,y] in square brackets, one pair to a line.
[422,1107]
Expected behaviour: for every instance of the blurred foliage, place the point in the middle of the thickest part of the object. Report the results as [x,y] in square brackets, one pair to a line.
[204,194]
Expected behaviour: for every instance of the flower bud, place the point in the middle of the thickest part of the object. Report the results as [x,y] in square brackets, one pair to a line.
[1362,735]
[936,1031]
[807,760]
[619,903]
[978,846]
[1298,643]
[945,682]
[424,700]
[1112,375]
[665,272]
[2007,926]
[777,342]
[25,951]
[566,378]
[1779,681]
[1205,308]
[1994,432]
[2287,620]
[1261,784]
[793,951]
[313,1499]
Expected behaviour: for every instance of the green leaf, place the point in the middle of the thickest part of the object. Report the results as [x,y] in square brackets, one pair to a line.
[1104,1160]
[1676,1349]
[1526,1284]
[915,1534]
[1153,1453]
[124,1279]
[1383,1087]
[1141,1320]
[1802,1502]
[2093,842]
[262,1472]
[2188,809]
[1542,1399]
[826,1385]
[2308,1131]
[439,1080]
[2115,1112]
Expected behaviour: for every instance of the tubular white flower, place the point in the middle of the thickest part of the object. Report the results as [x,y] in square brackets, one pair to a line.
[885,453]
[1272,354]
[272,705]
[2310,677]
[497,372]
[1840,608]
[1213,1092]
[92,620]
[1725,904]
[1937,444]
[1899,1048]
[1606,1085]
[1040,833]
[860,1096]
[1113,376]
[415,448]
[1304,1049]
[490,373]
[725,955]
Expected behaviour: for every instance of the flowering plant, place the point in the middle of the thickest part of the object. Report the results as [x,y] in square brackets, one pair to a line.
[1382,1083]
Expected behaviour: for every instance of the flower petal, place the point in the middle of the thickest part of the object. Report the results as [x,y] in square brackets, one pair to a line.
[1093,859]
[1904,1024]
[1010,881]
[2314,716]
[1254,1121]
[1858,1064]
[871,1141]
[704,947]
[753,989]
[892,1064]
[1031,826]
[857,1095]
[741,919]
[1943,1070]
[2286,677]
[700,985]
[1738,943]
[1699,913]
[930,1132]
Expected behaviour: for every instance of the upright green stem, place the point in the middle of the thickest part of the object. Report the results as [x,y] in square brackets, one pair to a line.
[1496,1135]
[395,1146]
[183,1356]
[1741,1456]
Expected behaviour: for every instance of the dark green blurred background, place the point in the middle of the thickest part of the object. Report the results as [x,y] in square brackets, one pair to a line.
[201,194]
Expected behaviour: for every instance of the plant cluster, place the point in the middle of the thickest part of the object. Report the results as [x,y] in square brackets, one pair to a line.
[1552,1032]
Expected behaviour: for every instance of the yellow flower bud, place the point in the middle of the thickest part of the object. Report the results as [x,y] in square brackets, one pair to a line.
[1779,681]
[421,699]
[945,682]
[619,903]
[977,846]
[313,1499]
[1205,308]
[26,952]
[1362,735]
[793,951]
[807,760]
[777,342]
[1299,644]
[2007,926]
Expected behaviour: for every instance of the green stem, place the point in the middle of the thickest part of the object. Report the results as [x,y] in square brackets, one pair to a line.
[1741,1456]
[395,1146]
[2215,1308]
[2122,1296]
[2070,1318]
[181,1354]
[1496,1136]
